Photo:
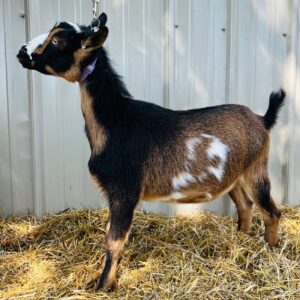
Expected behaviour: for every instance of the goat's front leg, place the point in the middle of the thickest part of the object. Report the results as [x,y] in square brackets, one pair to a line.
[244,208]
[121,213]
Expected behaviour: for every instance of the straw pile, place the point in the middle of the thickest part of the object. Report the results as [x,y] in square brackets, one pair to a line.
[199,257]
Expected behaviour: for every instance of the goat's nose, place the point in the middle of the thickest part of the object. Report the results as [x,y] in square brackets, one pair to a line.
[23,52]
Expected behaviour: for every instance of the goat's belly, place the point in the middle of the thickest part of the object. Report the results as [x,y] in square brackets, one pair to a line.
[189,196]
[178,197]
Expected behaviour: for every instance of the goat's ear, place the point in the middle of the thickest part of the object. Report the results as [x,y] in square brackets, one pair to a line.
[100,22]
[103,19]
[95,40]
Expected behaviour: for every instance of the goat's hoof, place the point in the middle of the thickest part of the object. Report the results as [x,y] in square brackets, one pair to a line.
[245,230]
[272,241]
[244,226]
[108,286]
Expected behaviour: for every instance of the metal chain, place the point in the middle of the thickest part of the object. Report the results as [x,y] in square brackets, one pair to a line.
[96,8]
[96,14]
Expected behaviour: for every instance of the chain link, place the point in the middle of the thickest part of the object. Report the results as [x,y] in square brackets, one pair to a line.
[96,9]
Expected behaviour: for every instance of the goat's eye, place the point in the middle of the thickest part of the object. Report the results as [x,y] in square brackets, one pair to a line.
[54,41]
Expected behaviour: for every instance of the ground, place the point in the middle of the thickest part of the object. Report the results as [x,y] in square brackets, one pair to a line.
[199,257]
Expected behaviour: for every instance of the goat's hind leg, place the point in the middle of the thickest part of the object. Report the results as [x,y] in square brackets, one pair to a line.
[121,213]
[259,187]
[244,207]
[270,212]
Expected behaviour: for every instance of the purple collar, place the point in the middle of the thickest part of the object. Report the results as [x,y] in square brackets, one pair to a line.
[88,70]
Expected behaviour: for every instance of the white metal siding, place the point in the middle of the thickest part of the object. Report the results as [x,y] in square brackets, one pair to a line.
[176,53]
[15,139]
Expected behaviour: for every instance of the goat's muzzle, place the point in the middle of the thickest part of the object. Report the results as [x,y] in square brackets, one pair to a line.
[23,58]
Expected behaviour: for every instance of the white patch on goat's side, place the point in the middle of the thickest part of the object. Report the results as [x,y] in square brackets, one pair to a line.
[217,172]
[192,145]
[75,26]
[183,180]
[220,150]
[202,176]
[217,149]
[35,43]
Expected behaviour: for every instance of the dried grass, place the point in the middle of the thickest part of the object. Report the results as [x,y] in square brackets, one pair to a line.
[199,257]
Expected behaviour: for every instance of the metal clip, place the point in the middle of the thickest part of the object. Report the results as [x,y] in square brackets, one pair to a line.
[96,13]
[96,8]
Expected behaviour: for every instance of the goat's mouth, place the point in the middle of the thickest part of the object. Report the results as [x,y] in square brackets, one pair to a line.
[25,62]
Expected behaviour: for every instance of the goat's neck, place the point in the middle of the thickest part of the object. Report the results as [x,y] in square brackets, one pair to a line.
[103,98]
[105,87]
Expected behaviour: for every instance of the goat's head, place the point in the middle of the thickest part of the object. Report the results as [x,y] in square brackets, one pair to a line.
[66,50]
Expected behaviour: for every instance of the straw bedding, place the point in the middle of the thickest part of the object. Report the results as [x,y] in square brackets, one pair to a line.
[199,257]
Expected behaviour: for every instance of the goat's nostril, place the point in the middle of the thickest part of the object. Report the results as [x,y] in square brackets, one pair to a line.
[23,50]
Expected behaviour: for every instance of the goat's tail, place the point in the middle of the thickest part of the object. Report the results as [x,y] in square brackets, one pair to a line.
[275,103]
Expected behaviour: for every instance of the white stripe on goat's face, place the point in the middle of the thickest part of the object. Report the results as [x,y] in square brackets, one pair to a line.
[217,150]
[35,43]
[75,26]
[32,46]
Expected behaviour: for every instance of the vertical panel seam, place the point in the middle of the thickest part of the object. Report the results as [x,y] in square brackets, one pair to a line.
[272,32]
[228,53]
[30,99]
[36,144]
[293,10]
[10,109]
[227,204]
[189,53]
[7,107]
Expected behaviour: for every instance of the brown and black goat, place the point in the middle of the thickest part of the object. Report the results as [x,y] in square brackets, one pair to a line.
[141,151]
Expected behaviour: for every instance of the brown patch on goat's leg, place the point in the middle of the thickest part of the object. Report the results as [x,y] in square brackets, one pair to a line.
[118,230]
[107,226]
[108,278]
[244,208]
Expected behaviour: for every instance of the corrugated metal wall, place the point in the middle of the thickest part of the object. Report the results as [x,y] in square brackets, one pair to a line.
[177,53]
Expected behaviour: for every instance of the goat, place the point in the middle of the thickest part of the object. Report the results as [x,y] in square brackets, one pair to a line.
[141,151]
